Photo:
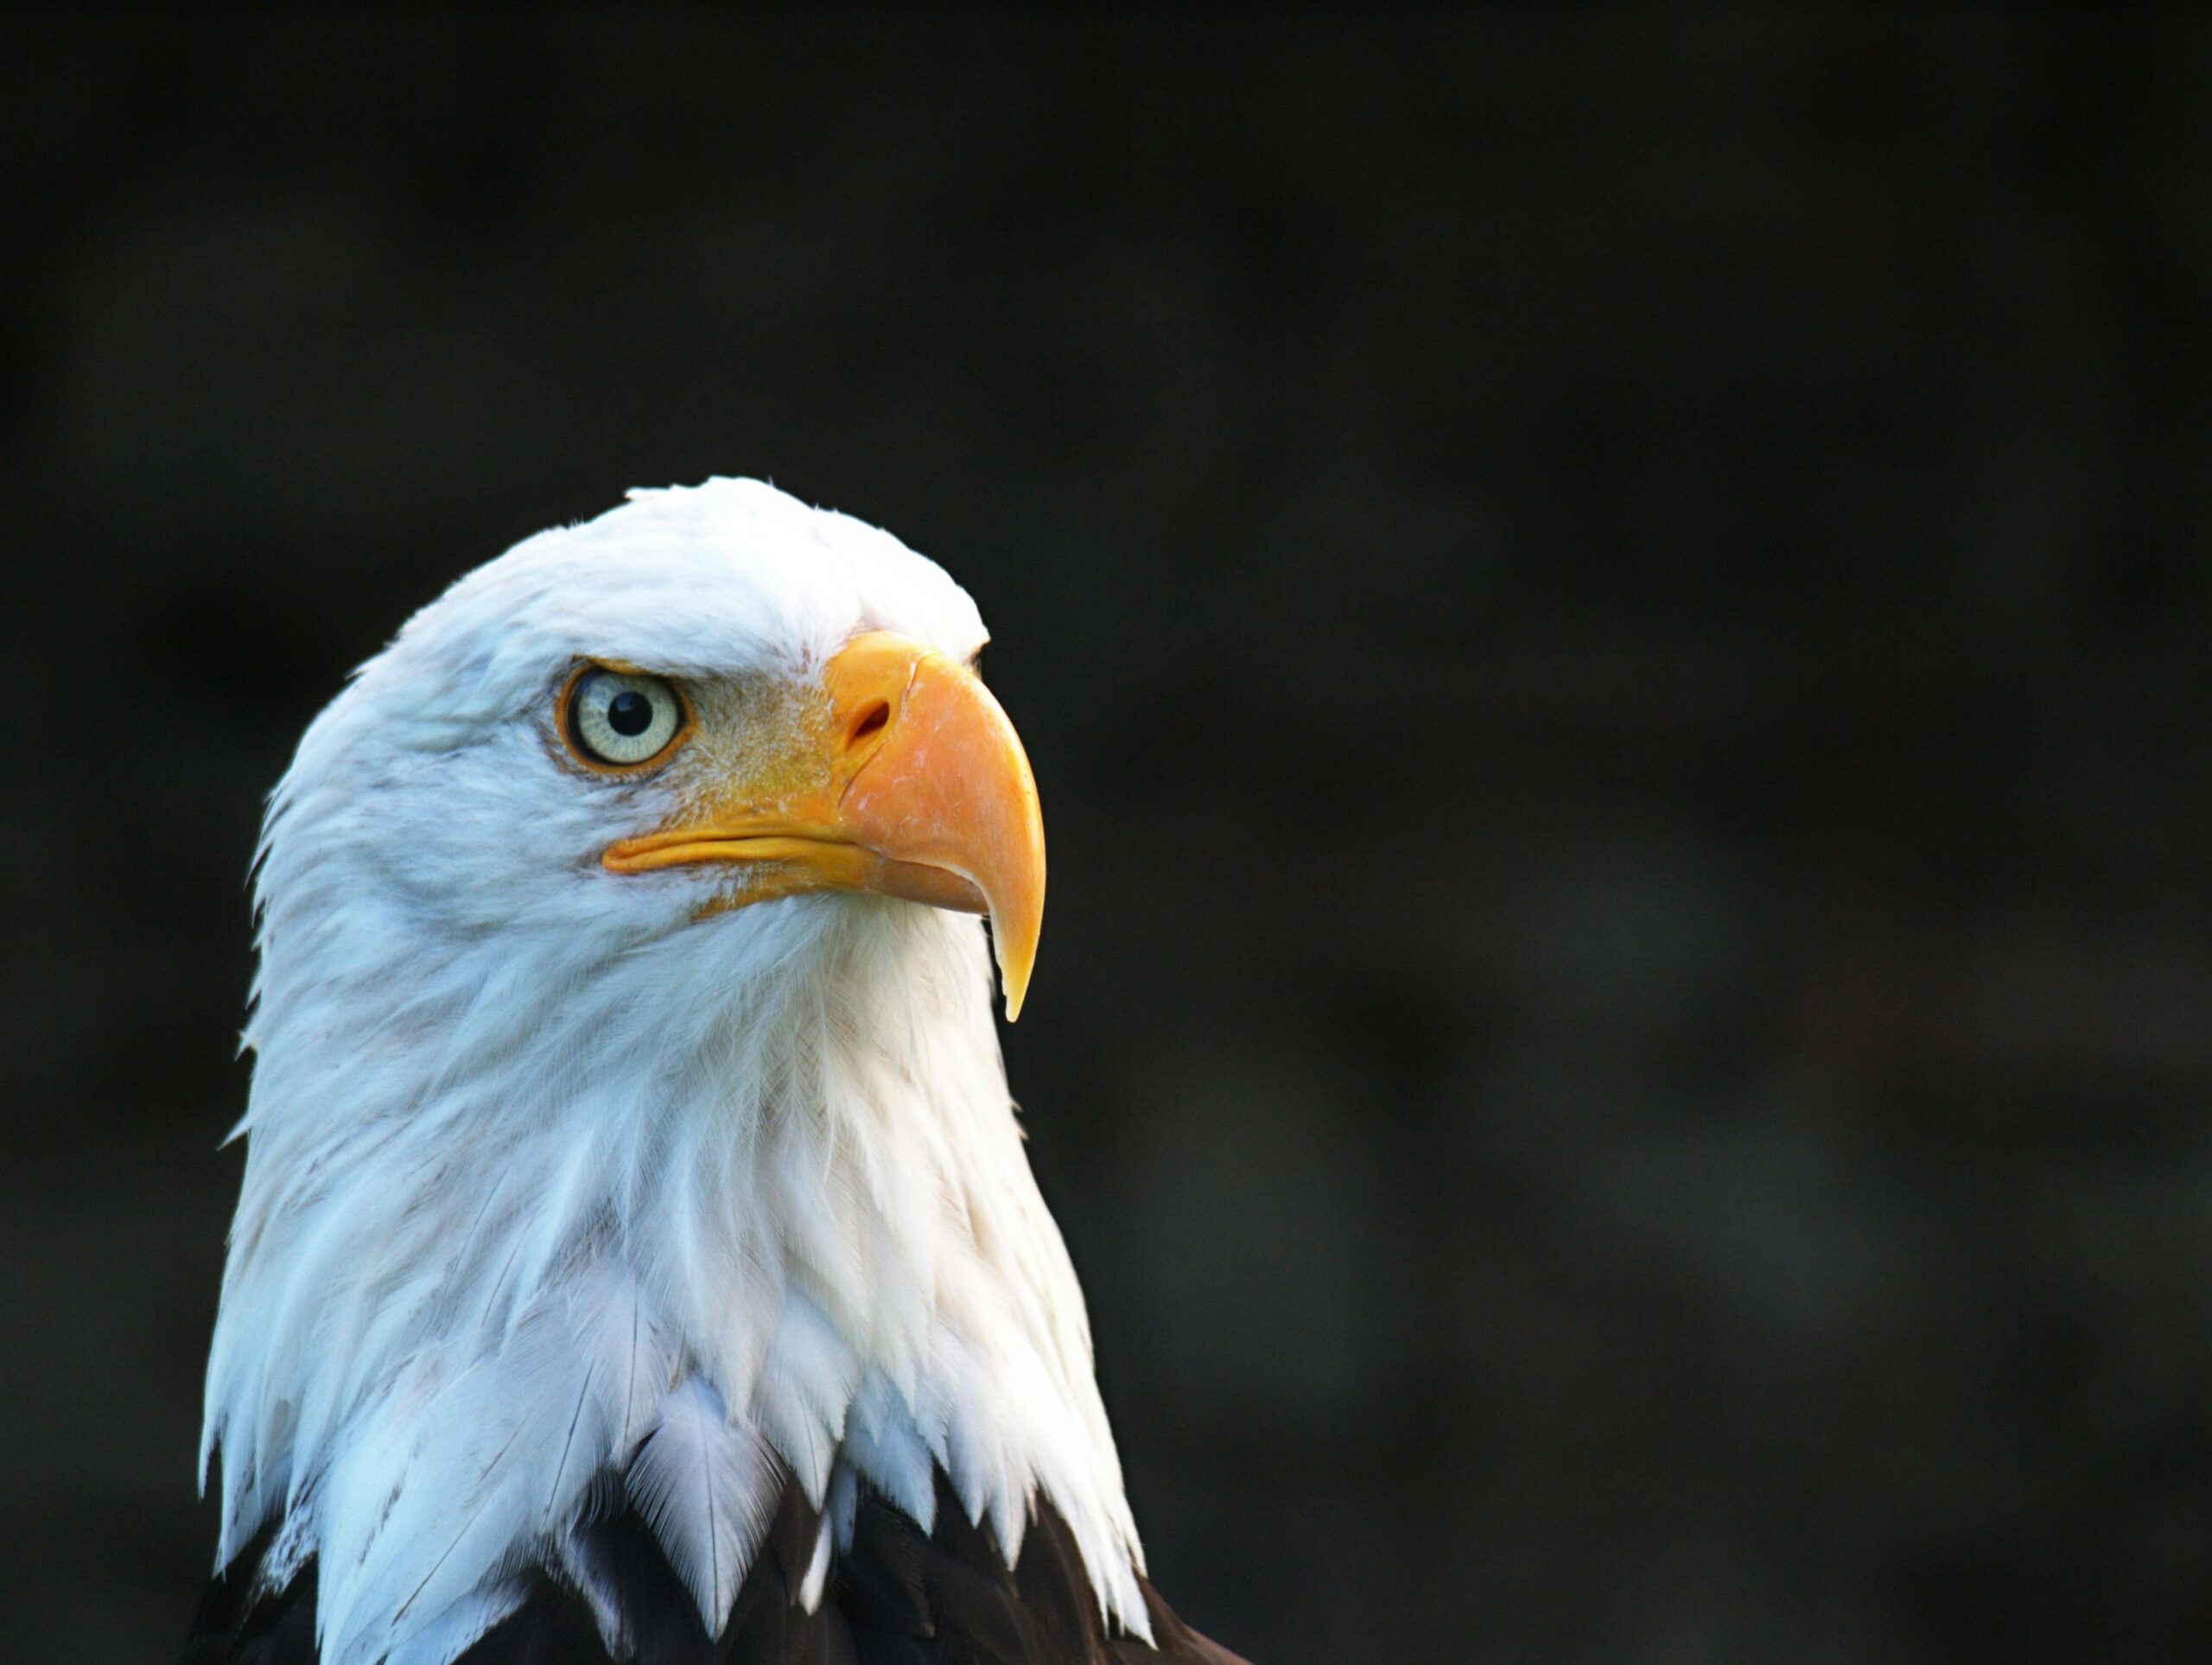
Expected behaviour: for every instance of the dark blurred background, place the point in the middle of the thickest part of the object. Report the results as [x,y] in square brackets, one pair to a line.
[1612,613]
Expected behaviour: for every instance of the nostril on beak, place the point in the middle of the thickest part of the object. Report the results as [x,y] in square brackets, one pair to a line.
[871,720]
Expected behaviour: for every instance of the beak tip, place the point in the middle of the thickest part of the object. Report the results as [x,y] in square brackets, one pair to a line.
[1016,960]
[1013,982]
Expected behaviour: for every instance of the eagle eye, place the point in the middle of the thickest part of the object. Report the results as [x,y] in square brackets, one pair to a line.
[620,719]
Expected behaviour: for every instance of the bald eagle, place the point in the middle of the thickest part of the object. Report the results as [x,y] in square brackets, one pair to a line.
[636,1257]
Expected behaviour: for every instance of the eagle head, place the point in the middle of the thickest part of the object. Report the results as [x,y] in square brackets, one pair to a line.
[629,1148]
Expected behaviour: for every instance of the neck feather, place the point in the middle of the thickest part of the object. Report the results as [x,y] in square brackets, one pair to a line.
[739,1207]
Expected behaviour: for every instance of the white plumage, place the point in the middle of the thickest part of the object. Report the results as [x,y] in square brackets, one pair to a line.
[548,1178]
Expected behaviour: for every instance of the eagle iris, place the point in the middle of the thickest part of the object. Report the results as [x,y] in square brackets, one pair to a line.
[620,719]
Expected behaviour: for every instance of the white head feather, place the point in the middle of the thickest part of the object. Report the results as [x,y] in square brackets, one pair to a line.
[541,1163]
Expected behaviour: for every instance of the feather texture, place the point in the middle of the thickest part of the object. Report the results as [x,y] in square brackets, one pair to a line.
[900,1594]
[574,1199]
[706,1486]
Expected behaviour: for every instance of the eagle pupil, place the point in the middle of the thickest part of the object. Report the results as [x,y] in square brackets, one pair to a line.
[629,714]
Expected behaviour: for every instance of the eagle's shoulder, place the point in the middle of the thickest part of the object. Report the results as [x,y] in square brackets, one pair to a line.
[899,1595]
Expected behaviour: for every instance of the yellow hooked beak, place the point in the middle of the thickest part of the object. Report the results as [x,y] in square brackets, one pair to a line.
[911,783]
